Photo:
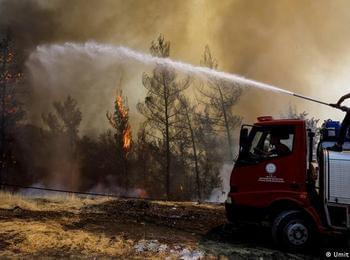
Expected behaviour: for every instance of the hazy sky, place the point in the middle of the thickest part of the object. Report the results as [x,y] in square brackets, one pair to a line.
[302,46]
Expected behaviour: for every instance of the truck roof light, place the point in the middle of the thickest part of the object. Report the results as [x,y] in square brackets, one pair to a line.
[265,118]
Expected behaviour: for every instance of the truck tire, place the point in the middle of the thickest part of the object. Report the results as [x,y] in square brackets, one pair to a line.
[292,230]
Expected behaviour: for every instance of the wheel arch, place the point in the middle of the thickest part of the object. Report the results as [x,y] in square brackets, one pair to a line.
[288,204]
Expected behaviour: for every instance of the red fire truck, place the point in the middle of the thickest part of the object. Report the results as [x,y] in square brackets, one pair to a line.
[276,181]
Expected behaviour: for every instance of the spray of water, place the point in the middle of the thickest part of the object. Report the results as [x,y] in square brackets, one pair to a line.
[123,54]
[47,56]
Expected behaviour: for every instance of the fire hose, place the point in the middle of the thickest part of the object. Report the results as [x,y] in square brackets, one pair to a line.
[342,108]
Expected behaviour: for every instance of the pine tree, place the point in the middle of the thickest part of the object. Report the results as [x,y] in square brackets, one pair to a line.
[161,105]
[188,115]
[65,120]
[220,96]
[62,143]
[11,111]
[119,120]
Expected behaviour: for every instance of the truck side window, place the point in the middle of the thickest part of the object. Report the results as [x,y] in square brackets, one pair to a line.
[272,142]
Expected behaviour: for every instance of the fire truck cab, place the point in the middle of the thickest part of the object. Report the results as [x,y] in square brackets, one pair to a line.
[276,181]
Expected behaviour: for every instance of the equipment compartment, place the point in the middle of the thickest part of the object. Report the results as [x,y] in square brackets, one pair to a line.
[338,177]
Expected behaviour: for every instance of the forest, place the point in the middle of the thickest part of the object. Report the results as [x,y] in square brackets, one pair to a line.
[176,153]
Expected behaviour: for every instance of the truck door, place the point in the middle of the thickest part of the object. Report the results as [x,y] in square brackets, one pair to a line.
[267,166]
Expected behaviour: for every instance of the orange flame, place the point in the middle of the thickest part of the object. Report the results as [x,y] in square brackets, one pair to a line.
[127,139]
[121,109]
[127,131]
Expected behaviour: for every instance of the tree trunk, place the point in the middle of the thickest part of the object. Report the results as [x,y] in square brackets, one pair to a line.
[194,148]
[167,140]
[2,136]
[127,181]
[227,127]
[3,111]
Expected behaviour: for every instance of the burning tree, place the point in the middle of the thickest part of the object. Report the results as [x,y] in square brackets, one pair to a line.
[161,106]
[119,120]
[220,97]
[10,108]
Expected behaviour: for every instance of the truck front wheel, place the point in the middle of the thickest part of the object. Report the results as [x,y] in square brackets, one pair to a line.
[292,230]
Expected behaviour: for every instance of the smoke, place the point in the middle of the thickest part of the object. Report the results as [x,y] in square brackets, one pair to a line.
[109,188]
[35,22]
[92,81]
[134,23]
[298,45]
[301,46]
[47,60]
[220,194]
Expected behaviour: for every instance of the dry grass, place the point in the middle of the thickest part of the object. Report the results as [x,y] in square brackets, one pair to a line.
[10,201]
[32,239]
[60,202]
[61,226]
[71,202]
[57,237]
[188,204]
[49,238]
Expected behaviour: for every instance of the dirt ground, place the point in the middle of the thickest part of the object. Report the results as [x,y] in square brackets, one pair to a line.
[70,226]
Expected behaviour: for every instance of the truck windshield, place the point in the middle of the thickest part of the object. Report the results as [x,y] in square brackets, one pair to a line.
[269,142]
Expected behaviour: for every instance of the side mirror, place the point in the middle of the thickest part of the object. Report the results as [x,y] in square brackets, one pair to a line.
[243,138]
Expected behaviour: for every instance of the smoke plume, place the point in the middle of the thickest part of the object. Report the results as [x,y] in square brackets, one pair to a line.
[301,46]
